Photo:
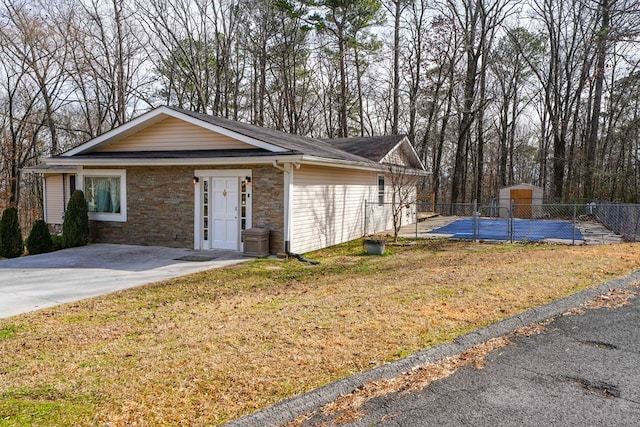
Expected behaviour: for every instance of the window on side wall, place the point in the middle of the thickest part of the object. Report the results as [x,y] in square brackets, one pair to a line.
[380,190]
[105,192]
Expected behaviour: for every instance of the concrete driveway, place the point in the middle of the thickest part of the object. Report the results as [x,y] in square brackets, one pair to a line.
[38,281]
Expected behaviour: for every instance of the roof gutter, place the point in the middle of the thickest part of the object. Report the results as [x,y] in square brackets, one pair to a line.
[347,164]
[73,161]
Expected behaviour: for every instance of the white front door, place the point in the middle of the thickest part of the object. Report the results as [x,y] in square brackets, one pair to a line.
[220,225]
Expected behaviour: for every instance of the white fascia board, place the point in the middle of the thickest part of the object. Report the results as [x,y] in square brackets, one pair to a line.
[158,114]
[408,147]
[344,164]
[308,160]
[174,162]
[52,170]
[392,169]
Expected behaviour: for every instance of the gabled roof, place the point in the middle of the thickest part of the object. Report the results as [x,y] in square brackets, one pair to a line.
[262,143]
[374,148]
[379,149]
[287,141]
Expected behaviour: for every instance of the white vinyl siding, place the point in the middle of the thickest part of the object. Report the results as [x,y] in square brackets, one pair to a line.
[398,157]
[54,199]
[402,155]
[328,207]
[173,134]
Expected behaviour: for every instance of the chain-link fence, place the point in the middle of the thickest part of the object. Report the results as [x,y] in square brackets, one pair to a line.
[561,223]
[622,219]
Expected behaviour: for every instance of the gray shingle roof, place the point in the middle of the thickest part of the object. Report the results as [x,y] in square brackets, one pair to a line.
[373,148]
[295,143]
[363,151]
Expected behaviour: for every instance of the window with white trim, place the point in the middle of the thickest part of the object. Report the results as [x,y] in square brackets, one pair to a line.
[105,192]
[380,190]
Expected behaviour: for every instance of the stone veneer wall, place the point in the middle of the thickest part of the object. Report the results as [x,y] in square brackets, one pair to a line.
[160,205]
[268,203]
[159,209]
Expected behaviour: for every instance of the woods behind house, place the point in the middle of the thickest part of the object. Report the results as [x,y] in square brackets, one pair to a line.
[490,92]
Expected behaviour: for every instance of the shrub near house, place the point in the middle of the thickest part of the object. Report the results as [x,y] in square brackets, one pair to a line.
[11,245]
[39,241]
[75,229]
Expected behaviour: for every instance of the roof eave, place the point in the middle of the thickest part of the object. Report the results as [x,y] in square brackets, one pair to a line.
[71,161]
[411,152]
[365,165]
[50,169]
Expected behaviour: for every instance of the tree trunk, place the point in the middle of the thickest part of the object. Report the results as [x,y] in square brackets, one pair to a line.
[592,139]
[396,68]
[342,108]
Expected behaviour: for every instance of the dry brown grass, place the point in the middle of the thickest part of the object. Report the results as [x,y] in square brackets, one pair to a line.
[207,348]
[613,298]
[346,409]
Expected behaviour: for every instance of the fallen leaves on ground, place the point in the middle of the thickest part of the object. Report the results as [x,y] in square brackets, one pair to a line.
[208,348]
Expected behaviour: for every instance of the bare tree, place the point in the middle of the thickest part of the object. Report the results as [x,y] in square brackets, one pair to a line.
[105,64]
[477,21]
[193,46]
[567,28]
[513,92]
[345,21]
[396,9]
[404,183]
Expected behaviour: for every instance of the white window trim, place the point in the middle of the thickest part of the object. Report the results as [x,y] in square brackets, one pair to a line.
[382,193]
[120,173]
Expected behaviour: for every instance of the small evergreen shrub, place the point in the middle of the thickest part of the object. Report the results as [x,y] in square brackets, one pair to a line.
[39,240]
[11,244]
[75,228]
[57,242]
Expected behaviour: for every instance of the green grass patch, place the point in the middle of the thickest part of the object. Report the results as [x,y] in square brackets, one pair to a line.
[27,412]
[7,332]
[44,405]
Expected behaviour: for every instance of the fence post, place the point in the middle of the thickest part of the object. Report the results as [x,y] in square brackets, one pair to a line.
[573,232]
[365,217]
[635,232]
[510,224]
[415,213]
[474,220]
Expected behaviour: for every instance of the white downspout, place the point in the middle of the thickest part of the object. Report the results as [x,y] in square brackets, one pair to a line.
[287,168]
[197,212]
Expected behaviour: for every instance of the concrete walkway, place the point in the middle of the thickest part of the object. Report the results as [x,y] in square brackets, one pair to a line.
[38,281]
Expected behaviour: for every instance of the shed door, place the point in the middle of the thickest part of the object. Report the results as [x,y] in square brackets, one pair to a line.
[522,199]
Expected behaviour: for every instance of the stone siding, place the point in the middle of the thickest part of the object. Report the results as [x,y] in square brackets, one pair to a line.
[160,207]
[268,204]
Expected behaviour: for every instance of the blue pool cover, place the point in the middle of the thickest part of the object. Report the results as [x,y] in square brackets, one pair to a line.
[523,229]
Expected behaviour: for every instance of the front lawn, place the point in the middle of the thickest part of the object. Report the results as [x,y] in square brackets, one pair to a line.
[207,348]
